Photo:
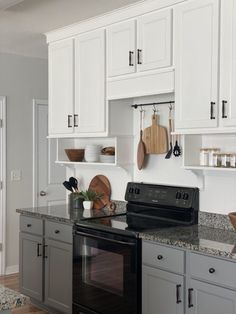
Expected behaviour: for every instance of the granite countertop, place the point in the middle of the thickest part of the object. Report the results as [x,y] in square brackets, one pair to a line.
[10,299]
[198,238]
[62,213]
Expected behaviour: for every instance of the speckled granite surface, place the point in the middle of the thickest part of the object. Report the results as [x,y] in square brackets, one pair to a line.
[10,299]
[215,221]
[62,213]
[203,239]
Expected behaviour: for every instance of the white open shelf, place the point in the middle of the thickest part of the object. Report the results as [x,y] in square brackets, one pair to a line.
[192,143]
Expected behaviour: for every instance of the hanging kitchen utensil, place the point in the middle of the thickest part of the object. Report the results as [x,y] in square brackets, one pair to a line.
[155,137]
[141,146]
[169,153]
[101,185]
[74,183]
[177,149]
[68,186]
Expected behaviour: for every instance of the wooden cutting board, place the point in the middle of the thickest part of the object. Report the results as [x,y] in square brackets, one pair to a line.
[101,184]
[155,137]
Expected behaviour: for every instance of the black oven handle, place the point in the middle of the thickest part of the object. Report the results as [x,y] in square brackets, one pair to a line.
[105,239]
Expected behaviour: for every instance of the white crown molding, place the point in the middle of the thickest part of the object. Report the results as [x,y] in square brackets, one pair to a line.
[118,15]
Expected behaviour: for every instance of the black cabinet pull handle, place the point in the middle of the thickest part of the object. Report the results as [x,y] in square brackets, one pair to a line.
[38,249]
[131,53]
[190,298]
[178,300]
[212,111]
[76,120]
[29,225]
[57,231]
[159,257]
[224,102]
[69,121]
[139,56]
[212,270]
[44,251]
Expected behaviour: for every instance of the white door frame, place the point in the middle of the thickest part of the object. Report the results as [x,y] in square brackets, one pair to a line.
[3,102]
[36,103]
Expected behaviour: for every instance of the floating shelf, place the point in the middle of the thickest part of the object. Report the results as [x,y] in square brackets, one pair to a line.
[202,168]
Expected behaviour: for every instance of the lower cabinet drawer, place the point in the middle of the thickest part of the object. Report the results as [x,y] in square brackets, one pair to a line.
[31,225]
[214,270]
[163,257]
[58,231]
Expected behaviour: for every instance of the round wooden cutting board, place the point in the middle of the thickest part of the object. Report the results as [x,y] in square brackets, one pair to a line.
[101,184]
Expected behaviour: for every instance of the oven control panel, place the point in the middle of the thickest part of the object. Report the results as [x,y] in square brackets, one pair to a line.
[162,195]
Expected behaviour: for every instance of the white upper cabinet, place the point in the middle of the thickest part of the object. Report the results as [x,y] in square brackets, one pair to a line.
[90,104]
[196,32]
[148,46]
[228,64]
[61,69]
[121,48]
[154,41]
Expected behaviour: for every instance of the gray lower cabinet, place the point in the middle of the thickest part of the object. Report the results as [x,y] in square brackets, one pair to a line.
[46,263]
[204,298]
[58,275]
[162,292]
[31,266]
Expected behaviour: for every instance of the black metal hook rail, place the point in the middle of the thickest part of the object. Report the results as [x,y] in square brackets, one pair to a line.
[153,104]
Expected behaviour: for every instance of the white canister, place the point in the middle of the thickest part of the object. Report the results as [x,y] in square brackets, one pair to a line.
[233,160]
[92,153]
[204,157]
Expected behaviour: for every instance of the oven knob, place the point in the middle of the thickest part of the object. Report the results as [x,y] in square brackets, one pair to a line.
[131,190]
[185,196]
[178,196]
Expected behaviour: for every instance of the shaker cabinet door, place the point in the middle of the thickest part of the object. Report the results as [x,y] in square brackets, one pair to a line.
[228,64]
[31,266]
[209,299]
[154,40]
[61,71]
[121,48]
[90,99]
[196,44]
[162,292]
[58,275]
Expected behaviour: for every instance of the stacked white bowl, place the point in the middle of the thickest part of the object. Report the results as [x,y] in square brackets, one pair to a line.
[92,153]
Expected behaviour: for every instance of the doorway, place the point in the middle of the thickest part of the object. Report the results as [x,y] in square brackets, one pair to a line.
[2,183]
[47,175]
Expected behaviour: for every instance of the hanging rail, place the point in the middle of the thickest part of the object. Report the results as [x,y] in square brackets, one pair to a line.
[153,104]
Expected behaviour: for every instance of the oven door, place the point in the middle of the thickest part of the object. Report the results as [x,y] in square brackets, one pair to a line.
[106,273]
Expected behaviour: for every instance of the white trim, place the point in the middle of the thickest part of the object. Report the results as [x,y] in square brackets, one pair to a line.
[3,102]
[115,16]
[14,269]
[36,102]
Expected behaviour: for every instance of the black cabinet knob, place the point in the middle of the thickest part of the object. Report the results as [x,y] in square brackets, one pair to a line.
[29,225]
[159,257]
[57,231]
[212,270]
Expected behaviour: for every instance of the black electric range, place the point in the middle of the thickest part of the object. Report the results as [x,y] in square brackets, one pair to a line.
[107,250]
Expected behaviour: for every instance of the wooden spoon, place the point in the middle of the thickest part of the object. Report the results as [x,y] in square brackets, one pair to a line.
[141,146]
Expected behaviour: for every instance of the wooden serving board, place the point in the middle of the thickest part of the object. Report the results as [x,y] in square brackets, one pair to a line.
[155,138]
[101,184]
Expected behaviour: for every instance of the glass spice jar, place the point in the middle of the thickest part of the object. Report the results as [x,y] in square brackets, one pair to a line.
[233,160]
[225,160]
[217,161]
[211,153]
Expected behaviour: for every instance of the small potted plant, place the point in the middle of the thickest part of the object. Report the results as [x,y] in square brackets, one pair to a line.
[89,197]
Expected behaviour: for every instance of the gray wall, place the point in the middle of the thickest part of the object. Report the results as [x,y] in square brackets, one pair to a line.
[21,80]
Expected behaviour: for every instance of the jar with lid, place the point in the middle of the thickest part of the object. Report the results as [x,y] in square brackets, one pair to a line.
[211,152]
[204,157]
[217,160]
[225,160]
[233,160]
